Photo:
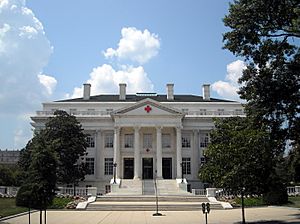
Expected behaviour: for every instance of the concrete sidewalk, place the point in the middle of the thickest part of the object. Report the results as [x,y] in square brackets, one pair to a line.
[253,215]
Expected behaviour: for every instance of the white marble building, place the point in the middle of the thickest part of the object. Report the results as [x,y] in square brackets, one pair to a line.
[146,135]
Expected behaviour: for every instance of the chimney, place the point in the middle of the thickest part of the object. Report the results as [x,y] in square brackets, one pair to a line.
[170,91]
[122,95]
[206,91]
[86,91]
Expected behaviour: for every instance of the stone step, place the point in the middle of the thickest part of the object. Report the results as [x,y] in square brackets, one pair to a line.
[169,198]
[149,206]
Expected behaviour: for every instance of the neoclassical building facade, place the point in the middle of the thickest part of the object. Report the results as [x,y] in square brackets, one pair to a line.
[145,135]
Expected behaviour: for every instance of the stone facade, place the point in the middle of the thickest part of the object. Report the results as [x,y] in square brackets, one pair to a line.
[144,135]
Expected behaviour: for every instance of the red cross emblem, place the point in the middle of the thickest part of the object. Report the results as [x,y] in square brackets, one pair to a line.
[148,108]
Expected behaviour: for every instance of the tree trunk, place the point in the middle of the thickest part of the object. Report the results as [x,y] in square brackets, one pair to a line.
[243,208]
[45,217]
[74,189]
[41,216]
[29,215]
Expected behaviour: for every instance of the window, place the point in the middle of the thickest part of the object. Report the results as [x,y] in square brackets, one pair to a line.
[186,141]
[91,141]
[166,140]
[109,111]
[147,141]
[128,141]
[109,140]
[186,165]
[239,112]
[202,112]
[204,140]
[221,112]
[90,163]
[108,166]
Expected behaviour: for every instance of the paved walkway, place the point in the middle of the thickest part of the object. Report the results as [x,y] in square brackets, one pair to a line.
[253,215]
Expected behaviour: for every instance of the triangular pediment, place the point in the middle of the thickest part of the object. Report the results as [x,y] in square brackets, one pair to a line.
[148,107]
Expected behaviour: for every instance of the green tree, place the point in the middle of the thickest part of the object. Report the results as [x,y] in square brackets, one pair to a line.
[266,34]
[40,183]
[65,135]
[6,176]
[238,158]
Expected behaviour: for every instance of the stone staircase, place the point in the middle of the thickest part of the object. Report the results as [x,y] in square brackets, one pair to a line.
[139,195]
[148,203]
[148,187]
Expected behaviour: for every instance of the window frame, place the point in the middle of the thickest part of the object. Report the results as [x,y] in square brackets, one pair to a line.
[128,141]
[108,166]
[108,140]
[186,165]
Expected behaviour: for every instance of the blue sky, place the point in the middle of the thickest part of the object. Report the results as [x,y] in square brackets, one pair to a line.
[48,49]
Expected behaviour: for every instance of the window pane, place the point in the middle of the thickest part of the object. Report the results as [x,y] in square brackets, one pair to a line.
[109,140]
[128,141]
[147,141]
[186,165]
[204,140]
[186,141]
[91,141]
[166,140]
[90,162]
[108,166]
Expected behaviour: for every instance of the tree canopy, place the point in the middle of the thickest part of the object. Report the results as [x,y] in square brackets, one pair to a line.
[266,34]
[65,135]
[237,157]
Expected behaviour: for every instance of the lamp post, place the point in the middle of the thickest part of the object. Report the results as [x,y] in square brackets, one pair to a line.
[115,167]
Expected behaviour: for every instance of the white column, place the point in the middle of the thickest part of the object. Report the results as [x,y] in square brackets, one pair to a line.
[98,154]
[137,152]
[178,152]
[158,153]
[117,150]
[195,155]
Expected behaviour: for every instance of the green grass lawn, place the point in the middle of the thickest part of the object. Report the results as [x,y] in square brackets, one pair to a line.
[294,202]
[8,207]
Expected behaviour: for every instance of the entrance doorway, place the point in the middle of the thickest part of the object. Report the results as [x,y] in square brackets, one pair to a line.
[147,168]
[167,168]
[128,168]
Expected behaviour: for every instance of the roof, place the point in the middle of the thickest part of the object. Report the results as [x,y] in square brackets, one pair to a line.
[138,97]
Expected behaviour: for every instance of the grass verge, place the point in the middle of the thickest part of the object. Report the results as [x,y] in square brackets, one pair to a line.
[8,207]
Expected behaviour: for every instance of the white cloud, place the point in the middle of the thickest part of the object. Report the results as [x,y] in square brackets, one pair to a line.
[48,82]
[105,79]
[229,88]
[135,45]
[24,52]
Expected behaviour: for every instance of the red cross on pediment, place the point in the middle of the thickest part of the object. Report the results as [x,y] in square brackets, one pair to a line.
[148,108]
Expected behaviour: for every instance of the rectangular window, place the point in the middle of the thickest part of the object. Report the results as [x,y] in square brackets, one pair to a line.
[186,165]
[109,140]
[166,140]
[186,140]
[90,162]
[109,111]
[239,112]
[221,112]
[108,166]
[202,112]
[147,141]
[204,140]
[128,141]
[91,141]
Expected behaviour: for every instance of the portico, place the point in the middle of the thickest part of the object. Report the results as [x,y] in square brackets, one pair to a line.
[151,120]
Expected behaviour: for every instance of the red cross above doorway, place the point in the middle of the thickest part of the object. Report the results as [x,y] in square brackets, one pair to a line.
[148,108]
